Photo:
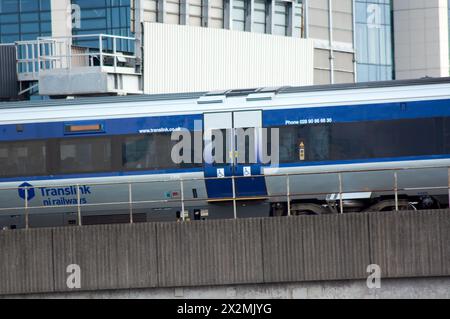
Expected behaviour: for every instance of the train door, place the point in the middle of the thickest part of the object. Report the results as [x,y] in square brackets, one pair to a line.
[239,156]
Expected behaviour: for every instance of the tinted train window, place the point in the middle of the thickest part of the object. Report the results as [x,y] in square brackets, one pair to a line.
[153,152]
[80,155]
[365,140]
[23,158]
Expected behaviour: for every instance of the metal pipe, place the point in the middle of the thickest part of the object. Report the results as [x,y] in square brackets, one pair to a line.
[115,54]
[234,197]
[341,203]
[306,18]
[78,205]
[182,199]
[396,190]
[355,62]
[449,186]
[26,208]
[130,198]
[101,50]
[288,191]
[330,31]
[271,175]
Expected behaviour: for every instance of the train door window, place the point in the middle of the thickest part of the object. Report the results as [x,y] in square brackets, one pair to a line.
[81,155]
[221,147]
[26,158]
[246,145]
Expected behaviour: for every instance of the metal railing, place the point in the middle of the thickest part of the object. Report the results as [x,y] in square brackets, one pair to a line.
[48,53]
[182,201]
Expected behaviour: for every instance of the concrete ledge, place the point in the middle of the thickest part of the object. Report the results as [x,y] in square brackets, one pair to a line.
[405,288]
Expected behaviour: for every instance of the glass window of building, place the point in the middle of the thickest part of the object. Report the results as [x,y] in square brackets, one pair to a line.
[281,18]
[104,17]
[238,14]
[24,20]
[373,40]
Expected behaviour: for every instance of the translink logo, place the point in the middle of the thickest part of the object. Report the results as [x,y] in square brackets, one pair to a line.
[26,190]
[55,196]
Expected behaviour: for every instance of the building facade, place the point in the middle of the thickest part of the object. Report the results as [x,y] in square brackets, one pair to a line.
[353,40]
[24,20]
[421,33]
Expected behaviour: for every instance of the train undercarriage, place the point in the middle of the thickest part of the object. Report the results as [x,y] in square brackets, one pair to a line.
[385,203]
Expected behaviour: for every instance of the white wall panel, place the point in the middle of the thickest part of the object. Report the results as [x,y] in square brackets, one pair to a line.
[187,59]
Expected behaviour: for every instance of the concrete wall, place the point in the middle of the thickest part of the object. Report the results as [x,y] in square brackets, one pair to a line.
[421,38]
[227,252]
[61,19]
[194,59]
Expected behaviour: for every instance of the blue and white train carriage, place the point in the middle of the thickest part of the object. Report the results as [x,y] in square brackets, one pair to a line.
[103,144]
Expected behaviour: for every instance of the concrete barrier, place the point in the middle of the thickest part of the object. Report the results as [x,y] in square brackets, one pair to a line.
[226,252]
[411,244]
[210,253]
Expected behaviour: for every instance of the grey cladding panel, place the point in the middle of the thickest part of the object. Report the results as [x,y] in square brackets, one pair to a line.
[210,253]
[26,261]
[336,247]
[410,244]
[110,256]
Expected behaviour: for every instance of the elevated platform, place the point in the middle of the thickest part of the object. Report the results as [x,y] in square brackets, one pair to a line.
[57,67]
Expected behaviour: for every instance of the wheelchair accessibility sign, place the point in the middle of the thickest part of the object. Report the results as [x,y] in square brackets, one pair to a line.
[220,172]
[247,171]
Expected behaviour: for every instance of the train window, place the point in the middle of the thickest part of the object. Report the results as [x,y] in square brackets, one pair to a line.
[152,152]
[80,155]
[315,140]
[26,158]
[365,140]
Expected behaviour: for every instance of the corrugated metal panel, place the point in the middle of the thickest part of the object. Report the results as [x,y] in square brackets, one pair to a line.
[210,253]
[411,244]
[8,74]
[109,256]
[328,247]
[186,59]
[26,264]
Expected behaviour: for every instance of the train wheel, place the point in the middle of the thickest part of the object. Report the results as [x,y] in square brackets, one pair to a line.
[308,209]
[389,205]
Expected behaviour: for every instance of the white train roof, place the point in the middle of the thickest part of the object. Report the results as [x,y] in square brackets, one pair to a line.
[203,102]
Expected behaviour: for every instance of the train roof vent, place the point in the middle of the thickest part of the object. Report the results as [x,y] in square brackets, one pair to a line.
[274,89]
[210,99]
[242,92]
[260,96]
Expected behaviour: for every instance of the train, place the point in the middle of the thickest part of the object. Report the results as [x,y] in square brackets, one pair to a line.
[273,152]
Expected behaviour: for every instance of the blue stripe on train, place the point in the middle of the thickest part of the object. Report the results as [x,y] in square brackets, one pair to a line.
[366,112]
[356,113]
[111,127]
